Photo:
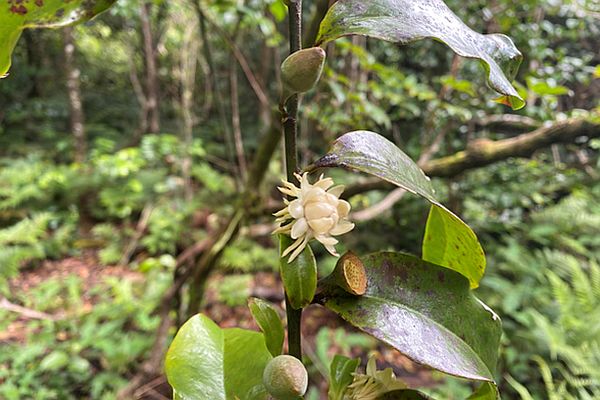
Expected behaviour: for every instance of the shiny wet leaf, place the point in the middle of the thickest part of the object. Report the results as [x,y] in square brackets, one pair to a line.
[205,362]
[268,320]
[299,276]
[406,21]
[425,311]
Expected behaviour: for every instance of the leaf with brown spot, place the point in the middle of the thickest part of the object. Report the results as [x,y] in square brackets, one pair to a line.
[436,322]
[17,15]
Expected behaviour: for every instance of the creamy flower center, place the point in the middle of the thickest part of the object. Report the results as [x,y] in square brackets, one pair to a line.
[317,212]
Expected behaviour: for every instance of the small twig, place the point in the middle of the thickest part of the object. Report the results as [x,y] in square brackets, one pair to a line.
[149,387]
[584,161]
[25,312]
[192,251]
[242,61]
[139,232]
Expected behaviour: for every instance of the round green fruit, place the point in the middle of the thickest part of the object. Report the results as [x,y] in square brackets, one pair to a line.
[285,378]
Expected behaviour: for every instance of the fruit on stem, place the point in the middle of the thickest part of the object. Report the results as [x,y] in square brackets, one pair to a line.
[285,378]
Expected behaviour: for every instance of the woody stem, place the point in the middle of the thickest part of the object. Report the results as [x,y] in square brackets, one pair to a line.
[290,127]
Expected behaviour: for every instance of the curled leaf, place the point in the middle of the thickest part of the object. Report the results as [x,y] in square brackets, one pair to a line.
[406,21]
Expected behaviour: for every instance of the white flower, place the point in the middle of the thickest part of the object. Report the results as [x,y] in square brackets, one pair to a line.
[316,213]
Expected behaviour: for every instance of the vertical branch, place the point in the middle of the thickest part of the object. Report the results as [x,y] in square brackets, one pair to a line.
[290,127]
[235,108]
[235,122]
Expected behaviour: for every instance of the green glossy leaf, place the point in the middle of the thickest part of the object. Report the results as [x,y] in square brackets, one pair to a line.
[446,242]
[340,376]
[205,362]
[300,276]
[270,324]
[373,154]
[406,21]
[278,10]
[425,311]
[487,391]
[16,15]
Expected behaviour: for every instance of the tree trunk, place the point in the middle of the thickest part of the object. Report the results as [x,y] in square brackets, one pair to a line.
[77,126]
[152,95]
[235,121]
[77,118]
[189,59]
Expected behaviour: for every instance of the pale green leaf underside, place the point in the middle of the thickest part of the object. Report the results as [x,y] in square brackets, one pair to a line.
[425,311]
[205,362]
[405,21]
[16,15]
[373,154]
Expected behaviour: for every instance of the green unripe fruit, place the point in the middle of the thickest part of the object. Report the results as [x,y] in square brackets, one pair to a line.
[301,71]
[285,378]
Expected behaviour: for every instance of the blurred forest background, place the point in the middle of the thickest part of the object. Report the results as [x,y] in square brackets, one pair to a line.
[125,142]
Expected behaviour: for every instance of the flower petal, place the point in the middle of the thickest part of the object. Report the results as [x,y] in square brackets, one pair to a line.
[343,208]
[312,194]
[331,199]
[342,227]
[299,250]
[288,191]
[318,210]
[331,250]
[281,213]
[292,247]
[327,240]
[283,229]
[324,183]
[337,190]
[299,228]
[296,209]
[321,225]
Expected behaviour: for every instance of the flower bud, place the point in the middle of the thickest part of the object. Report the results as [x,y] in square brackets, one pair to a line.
[285,378]
[301,71]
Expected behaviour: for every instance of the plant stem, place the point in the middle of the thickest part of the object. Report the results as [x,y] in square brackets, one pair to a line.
[290,127]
